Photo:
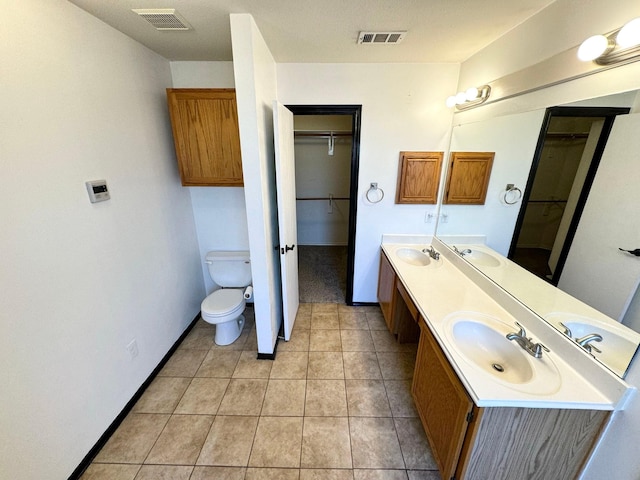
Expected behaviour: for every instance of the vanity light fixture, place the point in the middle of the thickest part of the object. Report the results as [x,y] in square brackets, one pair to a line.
[621,45]
[469,98]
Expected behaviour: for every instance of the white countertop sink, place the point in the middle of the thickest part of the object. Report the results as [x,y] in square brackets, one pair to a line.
[480,257]
[413,256]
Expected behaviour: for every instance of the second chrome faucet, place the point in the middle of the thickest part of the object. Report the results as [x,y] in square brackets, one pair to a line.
[533,349]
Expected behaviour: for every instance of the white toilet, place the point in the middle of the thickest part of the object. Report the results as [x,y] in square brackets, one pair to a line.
[223,308]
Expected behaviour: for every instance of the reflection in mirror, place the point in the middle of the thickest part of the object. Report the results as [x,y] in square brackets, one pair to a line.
[597,286]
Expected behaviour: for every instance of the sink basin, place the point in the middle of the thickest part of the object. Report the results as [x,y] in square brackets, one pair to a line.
[492,352]
[481,342]
[478,257]
[413,256]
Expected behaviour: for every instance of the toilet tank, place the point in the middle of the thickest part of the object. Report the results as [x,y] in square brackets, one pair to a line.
[229,269]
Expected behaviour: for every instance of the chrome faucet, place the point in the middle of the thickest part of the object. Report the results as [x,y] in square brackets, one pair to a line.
[432,252]
[463,252]
[533,349]
[585,342]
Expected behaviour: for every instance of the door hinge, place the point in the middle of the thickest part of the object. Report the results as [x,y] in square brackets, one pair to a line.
[470,416]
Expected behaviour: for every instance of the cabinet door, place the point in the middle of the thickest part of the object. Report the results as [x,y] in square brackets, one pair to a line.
[206,136]
[419,177]
[442,403]
[468,178]
[386,290]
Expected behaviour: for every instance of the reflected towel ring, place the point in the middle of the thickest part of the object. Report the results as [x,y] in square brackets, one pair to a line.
[512,188]
[374,188]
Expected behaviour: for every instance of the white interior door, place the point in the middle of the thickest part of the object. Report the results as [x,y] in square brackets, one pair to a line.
[286,195]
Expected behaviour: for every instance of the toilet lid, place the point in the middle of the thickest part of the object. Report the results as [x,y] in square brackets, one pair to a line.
[222,301]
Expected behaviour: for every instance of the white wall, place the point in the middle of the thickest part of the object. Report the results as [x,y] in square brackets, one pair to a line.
[79,281]
[402,109]
[255,76]
[220,212]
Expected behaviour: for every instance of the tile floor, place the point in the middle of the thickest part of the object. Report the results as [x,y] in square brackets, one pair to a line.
[335,404]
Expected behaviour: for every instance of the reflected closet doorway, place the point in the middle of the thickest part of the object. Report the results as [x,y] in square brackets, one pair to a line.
[570,146]
[327,146]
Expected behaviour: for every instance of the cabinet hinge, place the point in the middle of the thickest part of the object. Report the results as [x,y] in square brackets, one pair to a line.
[469,419]
[453,478]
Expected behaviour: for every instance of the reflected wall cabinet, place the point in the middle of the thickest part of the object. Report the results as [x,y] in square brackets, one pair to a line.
[418,177]
[206,136]
[468,178]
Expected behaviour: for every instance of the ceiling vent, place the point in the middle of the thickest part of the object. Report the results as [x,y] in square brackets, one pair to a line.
[163,18]
[381,38]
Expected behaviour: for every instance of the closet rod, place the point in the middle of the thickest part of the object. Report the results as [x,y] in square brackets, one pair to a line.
[322,134]
[324,198]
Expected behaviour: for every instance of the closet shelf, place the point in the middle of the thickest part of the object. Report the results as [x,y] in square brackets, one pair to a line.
[324,198]
[321,133]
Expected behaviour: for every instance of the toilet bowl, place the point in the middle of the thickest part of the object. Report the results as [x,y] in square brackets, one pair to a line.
[224,307]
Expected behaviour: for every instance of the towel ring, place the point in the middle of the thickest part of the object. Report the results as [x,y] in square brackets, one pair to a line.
[374,188]
[512,188]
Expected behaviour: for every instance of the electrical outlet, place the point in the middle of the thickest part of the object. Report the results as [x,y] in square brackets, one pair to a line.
[132,348]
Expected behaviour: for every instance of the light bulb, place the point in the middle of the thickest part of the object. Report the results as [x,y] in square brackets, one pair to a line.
[629,35]
[471,93]
[461,98]
[451,101]
[593,47]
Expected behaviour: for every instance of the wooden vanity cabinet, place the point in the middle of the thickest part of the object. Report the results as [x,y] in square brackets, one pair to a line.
[398,310]
[206,136]
[500,443]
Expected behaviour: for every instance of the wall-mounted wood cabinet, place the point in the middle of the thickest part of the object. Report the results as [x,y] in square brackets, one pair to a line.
[468,178]
[206,136]
[418,177]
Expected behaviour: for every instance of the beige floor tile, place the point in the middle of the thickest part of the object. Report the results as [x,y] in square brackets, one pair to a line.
[109,471]
[164,472]
[325,341]
[299,341]
[290,365]
[385,342]
[367,398]
[374,443]
[249,366]
[414,445]
[277,443]
[181,440]
[199,338]
[325,474]
[229,441]
[133,439]
[379,475]
[325,320]
[353,320]
[400,399]
[284,398]
[243,397]
[218,473]
[397,366]
[203,396]
[326,398]
[324,308]
[356,341]
[162,395]
[183,363]
[423,475]
[252,341]
[326,443]
[303,321]
[376,321]
[219,363]
[361,365]
[325,365]
[272,474]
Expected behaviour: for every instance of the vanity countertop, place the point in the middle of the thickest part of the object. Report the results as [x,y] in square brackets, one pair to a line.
[443,288]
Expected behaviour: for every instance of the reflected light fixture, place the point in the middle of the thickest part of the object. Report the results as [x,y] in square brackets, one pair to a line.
[621,45]
[469,98]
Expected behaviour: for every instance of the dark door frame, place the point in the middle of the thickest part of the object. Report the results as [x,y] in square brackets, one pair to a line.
[356,114]
[609,114]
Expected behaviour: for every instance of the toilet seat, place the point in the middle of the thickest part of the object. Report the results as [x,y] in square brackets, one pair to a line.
[223,302]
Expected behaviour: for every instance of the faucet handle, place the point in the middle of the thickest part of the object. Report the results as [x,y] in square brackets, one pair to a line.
[522,332]
[567,330]
[538,350]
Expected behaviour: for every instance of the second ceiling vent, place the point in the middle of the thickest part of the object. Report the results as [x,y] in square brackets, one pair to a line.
[163,18]
[380,38]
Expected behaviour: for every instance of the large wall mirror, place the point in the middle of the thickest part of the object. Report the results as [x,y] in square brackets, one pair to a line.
[548,199]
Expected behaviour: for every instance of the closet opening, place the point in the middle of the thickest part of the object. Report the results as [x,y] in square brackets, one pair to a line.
[327,144]
[570,146]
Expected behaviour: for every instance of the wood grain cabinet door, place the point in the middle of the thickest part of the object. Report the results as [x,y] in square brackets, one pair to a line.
[386,290]
[468,178]
[206,136]
[419,177]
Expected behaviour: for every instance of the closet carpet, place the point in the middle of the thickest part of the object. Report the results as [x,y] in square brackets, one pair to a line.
[322,273]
